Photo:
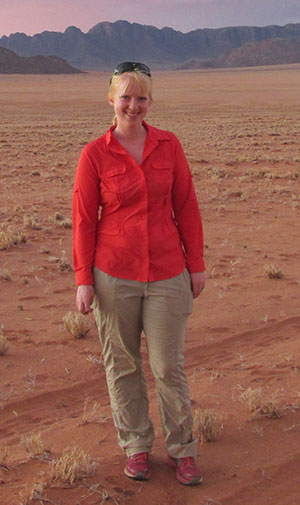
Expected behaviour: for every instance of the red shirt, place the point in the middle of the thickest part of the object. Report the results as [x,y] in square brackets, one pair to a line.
[135,222]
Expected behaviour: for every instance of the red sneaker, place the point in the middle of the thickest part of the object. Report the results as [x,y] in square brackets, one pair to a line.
[187,472]
[137,467]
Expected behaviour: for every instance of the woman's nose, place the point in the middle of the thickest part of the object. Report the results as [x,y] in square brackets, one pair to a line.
[133,103]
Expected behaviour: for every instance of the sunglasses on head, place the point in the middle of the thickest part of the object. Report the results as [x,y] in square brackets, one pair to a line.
[131,66]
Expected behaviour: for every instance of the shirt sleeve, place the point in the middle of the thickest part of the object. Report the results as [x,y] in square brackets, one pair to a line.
[86,200]
[187,213]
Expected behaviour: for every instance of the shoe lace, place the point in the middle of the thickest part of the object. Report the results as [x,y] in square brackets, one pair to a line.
[141,456]
[187,461]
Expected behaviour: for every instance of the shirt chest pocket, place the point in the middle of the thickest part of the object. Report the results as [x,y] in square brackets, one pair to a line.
[115,178]
[163,169]
[125,185]
[161,177]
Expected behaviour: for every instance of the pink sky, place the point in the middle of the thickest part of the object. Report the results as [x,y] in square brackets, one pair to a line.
[35,16]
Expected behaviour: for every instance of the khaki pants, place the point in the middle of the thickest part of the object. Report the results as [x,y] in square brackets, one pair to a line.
[123,309]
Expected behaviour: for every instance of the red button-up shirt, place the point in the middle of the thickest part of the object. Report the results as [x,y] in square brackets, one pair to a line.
[135,222]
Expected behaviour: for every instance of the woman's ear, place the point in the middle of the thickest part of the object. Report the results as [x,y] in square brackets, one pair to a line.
[110,101]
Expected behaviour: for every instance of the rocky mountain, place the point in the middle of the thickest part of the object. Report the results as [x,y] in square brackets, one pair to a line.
[11,63]
[268,52]
[106,44]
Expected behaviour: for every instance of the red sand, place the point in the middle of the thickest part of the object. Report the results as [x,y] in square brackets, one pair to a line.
[240,130]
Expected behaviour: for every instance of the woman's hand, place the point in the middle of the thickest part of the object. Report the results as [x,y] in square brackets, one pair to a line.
[84,298]
[198,283]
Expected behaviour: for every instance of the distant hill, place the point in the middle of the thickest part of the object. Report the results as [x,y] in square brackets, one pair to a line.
[267,52]
[106,44]
[11,63]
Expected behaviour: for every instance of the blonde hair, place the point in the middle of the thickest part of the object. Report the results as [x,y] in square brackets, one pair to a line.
[123,82]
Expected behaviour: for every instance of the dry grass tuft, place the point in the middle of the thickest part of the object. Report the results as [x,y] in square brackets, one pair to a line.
[66,223]
[93,358]
[273,271]
[208,424]
[32,222]
[4,275]
[214,375]
[77,324]
[234,194]
[63,265]
[258,431]
[44,249]
[271,407]
[61,220]
[3,343]
[30,381]
[56,217]
[252,397]
[91,412]
[211,501]
[73,464]
[32,492]
[33,444]
[216,172]
[10,237]
[18,209]
[4,458]
[258,407]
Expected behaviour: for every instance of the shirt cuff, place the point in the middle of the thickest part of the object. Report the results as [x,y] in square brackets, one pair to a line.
[196,265]
[84,276]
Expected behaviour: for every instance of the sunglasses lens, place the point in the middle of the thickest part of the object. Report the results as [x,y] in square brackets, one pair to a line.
[130,66]
[124,67]
[143,68]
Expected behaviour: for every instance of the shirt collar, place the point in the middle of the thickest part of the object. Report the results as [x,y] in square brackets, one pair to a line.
[153,136]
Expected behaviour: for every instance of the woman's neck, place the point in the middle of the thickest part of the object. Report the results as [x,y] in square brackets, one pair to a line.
[133,140]
[130,133]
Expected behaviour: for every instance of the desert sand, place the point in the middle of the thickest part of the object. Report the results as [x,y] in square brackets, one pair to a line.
[240,131]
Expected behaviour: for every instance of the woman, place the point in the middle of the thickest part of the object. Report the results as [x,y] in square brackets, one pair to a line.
[138,265]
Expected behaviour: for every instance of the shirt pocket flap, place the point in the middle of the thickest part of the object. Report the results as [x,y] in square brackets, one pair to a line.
[117,170]
[162,165]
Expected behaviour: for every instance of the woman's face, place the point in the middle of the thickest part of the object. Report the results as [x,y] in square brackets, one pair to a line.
[130,105]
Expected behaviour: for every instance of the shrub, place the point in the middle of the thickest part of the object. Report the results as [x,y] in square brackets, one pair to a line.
[76,324]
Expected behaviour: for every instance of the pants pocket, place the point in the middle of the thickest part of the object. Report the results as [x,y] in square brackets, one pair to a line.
[179,294]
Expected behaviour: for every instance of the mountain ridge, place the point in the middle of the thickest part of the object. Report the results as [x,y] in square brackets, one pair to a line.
[11,63]
[252,54]
[106,44]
